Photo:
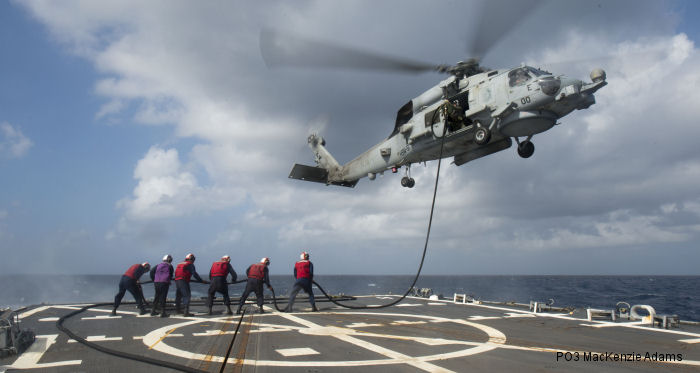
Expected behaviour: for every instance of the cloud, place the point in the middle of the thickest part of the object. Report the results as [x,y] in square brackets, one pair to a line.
[13,143]
[619,174]
[165,190]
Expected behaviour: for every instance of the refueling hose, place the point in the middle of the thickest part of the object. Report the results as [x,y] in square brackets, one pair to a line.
[425,247]
[126,355]
[184,368]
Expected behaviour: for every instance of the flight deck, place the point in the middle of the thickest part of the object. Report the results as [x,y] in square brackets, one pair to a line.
[418,334]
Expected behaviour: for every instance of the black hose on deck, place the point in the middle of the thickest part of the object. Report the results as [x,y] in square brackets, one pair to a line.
[230,345]
[125,355]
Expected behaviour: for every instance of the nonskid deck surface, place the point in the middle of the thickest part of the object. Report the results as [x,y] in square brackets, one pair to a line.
[416,335]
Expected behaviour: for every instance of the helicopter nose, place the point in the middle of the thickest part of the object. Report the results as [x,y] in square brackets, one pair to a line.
[569,87]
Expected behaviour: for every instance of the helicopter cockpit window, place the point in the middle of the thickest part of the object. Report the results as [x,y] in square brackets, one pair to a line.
[518,76]
[537,72]
[404,114]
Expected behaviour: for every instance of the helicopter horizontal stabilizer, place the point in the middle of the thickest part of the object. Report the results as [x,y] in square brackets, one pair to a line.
[309,173]
[317,175]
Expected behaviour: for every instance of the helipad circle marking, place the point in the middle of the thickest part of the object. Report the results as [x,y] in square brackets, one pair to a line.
[496,338]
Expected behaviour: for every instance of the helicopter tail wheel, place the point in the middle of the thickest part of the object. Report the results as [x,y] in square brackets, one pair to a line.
[526,149]
[407,182]
[482,135]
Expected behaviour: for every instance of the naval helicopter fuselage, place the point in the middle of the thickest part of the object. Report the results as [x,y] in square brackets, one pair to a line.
[469,115]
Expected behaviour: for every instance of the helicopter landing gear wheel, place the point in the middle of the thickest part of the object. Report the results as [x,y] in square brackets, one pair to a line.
[482,135]
[526,149]
[407,182]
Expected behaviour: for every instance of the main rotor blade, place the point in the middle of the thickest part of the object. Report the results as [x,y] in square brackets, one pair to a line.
[497,19]
[280,49]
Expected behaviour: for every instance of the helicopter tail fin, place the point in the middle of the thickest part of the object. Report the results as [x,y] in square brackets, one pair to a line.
[327,170]
[323,158]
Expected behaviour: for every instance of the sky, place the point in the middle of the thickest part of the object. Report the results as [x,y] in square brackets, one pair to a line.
[133,129]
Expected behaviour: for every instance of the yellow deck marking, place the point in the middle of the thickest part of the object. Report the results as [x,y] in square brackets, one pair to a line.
[162,338]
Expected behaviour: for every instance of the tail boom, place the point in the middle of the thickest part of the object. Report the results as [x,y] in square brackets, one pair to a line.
[328,170]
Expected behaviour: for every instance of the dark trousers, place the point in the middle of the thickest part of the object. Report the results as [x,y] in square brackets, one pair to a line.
[301,284]
[218,285]
[161,295]
[182,293]
[253,285]
[128,283]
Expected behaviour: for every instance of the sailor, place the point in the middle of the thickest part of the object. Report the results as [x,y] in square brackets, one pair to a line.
[258,274]
[130,282]
[304,275]
[183,272]
[161,276]
[217,277]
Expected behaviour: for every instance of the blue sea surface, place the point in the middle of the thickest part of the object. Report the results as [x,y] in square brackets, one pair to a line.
[667,294]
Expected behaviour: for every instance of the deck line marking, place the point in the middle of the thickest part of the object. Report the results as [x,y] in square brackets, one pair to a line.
[97,338]
[428,367]
[406,322]
[286,352]
[346,337]
[425,341]
[477,317]
[510,315]
[30,358]
[161,338]
[47,319]
[361,325]
[101,317]
[68,306]
[610,325]
[694,340]
[31,312]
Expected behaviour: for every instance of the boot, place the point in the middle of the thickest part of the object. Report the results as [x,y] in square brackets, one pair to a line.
[178,310]
[153,312]
[163,314]
[209,313]
[187,311]
[114,312]
[313,308]
[261,310]
[143,311]
[228,310]
[238,311]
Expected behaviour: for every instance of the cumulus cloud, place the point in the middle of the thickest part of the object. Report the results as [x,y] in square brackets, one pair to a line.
[165,189]
[13,143]
[607,177]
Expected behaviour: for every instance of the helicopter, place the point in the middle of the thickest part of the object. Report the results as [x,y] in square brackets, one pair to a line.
[475,112]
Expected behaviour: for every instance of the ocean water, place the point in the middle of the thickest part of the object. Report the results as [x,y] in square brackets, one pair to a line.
[667,294]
